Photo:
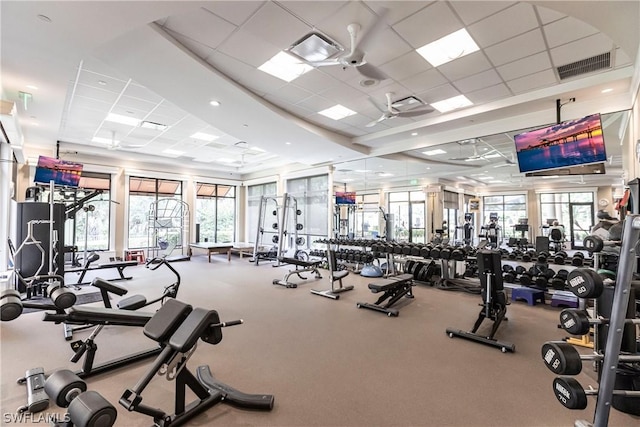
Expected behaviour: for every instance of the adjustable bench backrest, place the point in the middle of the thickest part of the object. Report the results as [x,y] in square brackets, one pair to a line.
[197,325]
[107,287]
[167,320]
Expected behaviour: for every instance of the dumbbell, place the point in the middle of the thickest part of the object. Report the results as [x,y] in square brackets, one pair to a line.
[593,243]
[513,254]
[529,255]
[560,257]
[585,283]
[509,274]
[543,256]
[578,259]
[578,322]
[406,249]
[37,399]
[459,254]
[435,252]
[415,250]
[425,251]
[542,279]
[85,408]
[562,358]
[526,278]
[445,253]
[559,280]
[572,395]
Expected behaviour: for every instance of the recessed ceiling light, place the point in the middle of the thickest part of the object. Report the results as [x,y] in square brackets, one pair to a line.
[369,82]
[434,152]
[314,47]
[225,160]
[448,48]
[102,83]
[603,90]
[451,104]
[173,152]
[257,149]
[32,87]
[204,136]
[285,67]
[287,143]
[491,156]
[384,174]
[414,133]
[125,120]
[495,181]
[337,112]
[214,103]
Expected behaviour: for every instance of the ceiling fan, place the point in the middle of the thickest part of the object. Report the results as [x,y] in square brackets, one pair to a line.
[391,111]
[355,57]
[475,156]
[118,145]
[507,161]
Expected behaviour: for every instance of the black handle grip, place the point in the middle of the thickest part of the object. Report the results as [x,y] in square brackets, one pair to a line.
[231,323]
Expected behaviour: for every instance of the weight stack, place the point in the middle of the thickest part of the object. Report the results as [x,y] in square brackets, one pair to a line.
[28,260]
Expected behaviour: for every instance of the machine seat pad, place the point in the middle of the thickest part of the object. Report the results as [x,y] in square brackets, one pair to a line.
[301,263]
[133,302]
[195,326]
[387,284]
[402,277]
[110,316]
[108,286]
[337,275]
[166,320]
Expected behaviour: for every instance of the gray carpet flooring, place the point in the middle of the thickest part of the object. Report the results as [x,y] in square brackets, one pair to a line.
[327,362]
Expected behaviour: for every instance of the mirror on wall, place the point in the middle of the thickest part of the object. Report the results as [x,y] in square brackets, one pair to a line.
[479,163]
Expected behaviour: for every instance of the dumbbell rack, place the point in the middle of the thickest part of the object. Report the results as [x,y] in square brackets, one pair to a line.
[627,264]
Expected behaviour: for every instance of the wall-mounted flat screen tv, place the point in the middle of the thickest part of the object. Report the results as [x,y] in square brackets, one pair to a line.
[345,198]
[570,143]
[61,172]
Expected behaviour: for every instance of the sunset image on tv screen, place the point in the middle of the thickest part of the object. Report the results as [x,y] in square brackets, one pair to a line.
[61,172]
[570,143]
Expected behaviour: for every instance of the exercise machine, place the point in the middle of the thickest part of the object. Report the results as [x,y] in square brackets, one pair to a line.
[284,229]
[494,302]
[168,229]
[193,325]
[87,266]
[491,231]
[335,275]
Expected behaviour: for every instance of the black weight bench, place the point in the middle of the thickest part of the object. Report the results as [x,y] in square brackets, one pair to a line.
[307,266]
[118,265]
[394,288]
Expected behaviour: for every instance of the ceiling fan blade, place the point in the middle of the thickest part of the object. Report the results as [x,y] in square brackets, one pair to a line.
[375,104]
[375,122]
[368,37]
[414,113]
[371,71]
[325,63]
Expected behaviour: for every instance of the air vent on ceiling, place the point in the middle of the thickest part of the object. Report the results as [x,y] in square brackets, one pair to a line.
[588,65]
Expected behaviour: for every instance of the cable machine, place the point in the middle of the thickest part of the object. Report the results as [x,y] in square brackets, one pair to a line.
[168,228]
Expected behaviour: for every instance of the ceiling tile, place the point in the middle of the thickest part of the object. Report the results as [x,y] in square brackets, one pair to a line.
[356,82]
[387,47]
[229,66]
[290,93]
[236,12]
[503,25]
[135,90]
[548,15]
[130,103]
[533,81]
[340,93]
[439,93]
[522,67]
[248,48]
[111,83]
[95,93]
[335,25]
[275,25]
[312,12]
[478,81]
[315,79]
[424,81]
[621,58]
[581,49]
[465,66]
[397,10]
[491,93]
[429,24]
[566,30]
[316,103]
[472,11]
[405,66]
[202,26]
[518,47]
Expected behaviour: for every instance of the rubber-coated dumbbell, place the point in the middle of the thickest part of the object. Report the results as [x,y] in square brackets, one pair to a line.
[578,259]
[585,283]
[529,255]
[560,257]
[86,408]
[578,322]
[572,395]
[509,274]
[543,256]
[445,253]
[435,252]
[558,282]
[526,278]
[562,358]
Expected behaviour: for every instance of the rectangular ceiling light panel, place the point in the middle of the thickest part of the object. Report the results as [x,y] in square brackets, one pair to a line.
[124,120]
[285,67]
[434,152]
[315,47]
[337,112]
[454,46]
[451,104]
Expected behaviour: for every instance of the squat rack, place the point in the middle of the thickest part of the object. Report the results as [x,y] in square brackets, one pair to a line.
[285,215]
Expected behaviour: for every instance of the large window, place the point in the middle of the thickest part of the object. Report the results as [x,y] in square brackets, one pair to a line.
[409,218]
[142,193]
[449,214]
[574,211]
[89,227]
[368,216]
[510,209]
[215,212]
[254,194]
[312,194]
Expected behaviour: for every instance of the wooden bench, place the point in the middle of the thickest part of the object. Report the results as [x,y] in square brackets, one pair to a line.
[212,248]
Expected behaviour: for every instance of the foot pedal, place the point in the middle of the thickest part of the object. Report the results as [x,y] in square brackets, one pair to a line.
[37,399]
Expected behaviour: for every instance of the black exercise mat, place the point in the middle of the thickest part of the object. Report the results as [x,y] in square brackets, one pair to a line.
[81,299]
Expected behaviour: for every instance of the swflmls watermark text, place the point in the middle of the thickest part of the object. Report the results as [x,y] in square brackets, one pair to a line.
[39,417]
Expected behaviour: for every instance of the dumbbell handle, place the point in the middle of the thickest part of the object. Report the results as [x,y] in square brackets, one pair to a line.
[606,321]
[627,393]
[622,357]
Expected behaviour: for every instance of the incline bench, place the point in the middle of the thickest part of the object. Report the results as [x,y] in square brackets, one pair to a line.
[118,265]
[394,288]
[311,266]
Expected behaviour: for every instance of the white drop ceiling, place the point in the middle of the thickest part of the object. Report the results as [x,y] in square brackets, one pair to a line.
[165,61]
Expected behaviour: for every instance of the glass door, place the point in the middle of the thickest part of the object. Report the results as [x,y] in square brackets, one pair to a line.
[581,222]
[417,232]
